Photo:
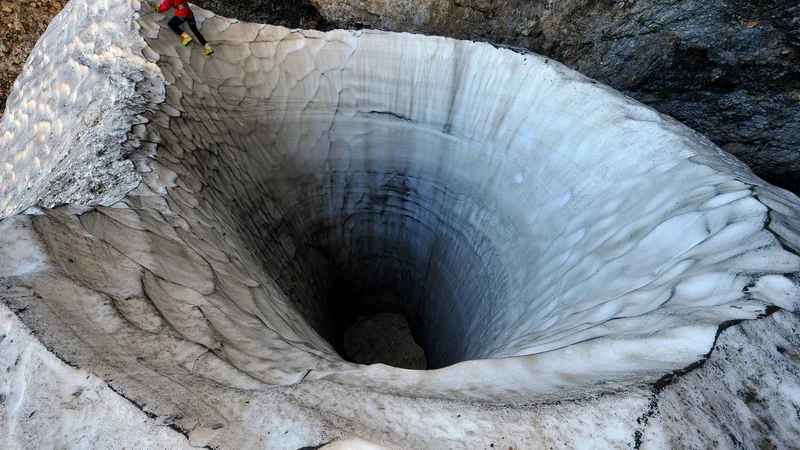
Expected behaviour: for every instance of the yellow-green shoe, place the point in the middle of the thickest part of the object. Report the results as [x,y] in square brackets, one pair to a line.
[186,39]
[208,50]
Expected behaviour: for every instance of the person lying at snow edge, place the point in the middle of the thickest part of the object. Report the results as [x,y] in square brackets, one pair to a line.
[182,14]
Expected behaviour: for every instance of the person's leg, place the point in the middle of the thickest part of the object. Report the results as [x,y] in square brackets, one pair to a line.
[196,32]
[175,24]
[193,26]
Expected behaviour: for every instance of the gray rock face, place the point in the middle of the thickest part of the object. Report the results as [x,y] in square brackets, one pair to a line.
[728,69]
[286,13]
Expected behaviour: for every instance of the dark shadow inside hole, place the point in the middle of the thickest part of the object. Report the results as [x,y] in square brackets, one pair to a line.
[374,335]
[335,242]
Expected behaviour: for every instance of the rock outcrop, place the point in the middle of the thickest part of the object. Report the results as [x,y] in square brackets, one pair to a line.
[285,13]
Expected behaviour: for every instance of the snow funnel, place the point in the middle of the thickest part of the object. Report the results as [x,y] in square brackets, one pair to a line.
[543,235]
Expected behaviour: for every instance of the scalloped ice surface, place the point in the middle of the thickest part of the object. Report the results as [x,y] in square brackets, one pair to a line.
[545,236]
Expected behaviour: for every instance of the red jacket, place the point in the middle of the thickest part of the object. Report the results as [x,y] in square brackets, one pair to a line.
[184,12]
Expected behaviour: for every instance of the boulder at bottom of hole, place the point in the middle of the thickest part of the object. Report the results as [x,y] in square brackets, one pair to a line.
[383,338]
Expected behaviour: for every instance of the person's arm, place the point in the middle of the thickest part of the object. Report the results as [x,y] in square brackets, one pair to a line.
[167,4]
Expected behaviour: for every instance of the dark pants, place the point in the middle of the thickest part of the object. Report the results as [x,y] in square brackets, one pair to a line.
[176,22]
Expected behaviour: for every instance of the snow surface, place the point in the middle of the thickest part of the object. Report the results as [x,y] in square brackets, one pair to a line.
[551,239]
[48,404]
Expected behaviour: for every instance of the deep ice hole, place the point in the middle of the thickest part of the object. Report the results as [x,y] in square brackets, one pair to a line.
[539,231]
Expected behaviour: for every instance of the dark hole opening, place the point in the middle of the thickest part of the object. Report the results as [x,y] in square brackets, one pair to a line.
[371,325]
[347,246]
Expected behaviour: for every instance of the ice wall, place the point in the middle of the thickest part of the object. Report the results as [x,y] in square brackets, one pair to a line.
[545,235]
[515,211]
